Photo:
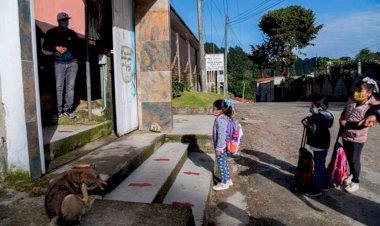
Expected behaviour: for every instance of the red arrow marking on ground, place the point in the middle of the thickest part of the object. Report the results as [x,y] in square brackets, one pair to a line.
[182,204]
[161,159]
[191,173]
[139,185]
[84,166]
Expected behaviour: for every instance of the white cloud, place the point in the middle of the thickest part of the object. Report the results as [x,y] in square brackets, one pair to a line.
[346,35]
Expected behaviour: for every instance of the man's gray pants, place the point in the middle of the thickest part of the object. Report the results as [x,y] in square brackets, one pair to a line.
[68,73]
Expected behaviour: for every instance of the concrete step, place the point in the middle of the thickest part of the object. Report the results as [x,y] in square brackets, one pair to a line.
[192,185]
[119,213]
[152,179]
[62,139]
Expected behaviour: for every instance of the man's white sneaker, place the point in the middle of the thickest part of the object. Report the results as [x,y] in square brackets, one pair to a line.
[353,187]
[348,179]
[229,182]
[220,186]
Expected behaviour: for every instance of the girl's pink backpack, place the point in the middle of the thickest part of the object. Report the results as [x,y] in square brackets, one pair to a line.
[338,165]
[236,133]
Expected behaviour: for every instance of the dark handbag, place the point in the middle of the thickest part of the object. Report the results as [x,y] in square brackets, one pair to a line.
[303,175]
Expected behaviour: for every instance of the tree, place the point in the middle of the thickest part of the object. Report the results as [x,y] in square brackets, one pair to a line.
[365,56]
[236,59]
[346,60]
[259,57]
[323,63]
[211,47]
[304,66]
[287,29]
[240,70]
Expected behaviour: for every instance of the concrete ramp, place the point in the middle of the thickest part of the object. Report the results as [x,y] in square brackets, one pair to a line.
[192,185]
[151,180]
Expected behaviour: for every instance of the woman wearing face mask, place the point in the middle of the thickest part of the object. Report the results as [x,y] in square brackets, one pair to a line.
[361,112]
[63,43]
[318,137]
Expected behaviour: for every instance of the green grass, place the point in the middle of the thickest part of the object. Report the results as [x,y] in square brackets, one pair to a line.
[196,99]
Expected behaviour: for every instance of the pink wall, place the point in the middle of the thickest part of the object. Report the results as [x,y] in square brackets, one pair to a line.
[47,10]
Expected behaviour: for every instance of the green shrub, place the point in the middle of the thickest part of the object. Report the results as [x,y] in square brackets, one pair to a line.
[177,88]
[186,85]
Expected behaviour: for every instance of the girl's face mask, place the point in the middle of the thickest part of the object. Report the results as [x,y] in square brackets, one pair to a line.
[313,110]
[358,97]
[362,95]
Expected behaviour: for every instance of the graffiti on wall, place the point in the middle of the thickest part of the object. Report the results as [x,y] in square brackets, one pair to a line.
[127,72]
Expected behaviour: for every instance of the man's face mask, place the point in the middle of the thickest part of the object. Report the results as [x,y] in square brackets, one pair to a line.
[64,23]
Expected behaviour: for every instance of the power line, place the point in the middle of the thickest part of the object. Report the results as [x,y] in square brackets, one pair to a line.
[217,7]
[246,12]
[224,7]
[228,11]
[255,13]
[237,38]
[212,41]
[357,51]
[238,13]
[213,24]
[204,21]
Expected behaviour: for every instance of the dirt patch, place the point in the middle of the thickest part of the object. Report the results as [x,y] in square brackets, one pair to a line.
[21,208]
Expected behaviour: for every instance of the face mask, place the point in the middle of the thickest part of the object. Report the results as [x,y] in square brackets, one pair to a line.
[358,97]
[64,23]
[313,110]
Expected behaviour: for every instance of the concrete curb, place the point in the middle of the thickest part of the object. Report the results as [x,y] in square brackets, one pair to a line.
[68,144]
[192,110]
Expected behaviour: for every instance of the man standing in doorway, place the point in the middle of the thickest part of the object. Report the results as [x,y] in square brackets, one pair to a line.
[63,43]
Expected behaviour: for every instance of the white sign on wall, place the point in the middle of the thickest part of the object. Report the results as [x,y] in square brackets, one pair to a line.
[220,78]
[214,62]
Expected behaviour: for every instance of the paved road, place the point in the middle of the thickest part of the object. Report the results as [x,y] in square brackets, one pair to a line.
[262,175]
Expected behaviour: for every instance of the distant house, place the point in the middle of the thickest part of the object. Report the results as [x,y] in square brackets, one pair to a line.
[184,52]
[263,88]
[278,80]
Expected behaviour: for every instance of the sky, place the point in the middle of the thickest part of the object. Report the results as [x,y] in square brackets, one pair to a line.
[348,25]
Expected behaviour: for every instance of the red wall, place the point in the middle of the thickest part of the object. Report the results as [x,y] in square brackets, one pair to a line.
[47,10]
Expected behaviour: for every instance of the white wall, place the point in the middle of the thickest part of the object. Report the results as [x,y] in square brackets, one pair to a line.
[12,86]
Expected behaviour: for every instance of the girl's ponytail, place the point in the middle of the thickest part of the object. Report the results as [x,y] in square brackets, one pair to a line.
[228,110]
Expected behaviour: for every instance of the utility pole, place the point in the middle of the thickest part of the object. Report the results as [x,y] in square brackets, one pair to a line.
[88,74]
[243,90]
[178,58]
[225,83]
[201,48]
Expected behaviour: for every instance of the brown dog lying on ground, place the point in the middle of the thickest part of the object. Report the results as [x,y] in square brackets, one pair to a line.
[67,197]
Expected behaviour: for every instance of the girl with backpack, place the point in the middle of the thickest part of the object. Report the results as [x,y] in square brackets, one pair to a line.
[362,111]
[222,109]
